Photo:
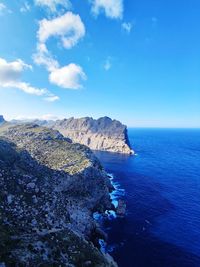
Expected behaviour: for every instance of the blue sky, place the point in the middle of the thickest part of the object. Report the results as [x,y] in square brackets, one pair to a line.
[134,60]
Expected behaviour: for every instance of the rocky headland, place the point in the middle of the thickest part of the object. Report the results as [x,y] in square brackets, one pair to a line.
[50,187]
[103,134]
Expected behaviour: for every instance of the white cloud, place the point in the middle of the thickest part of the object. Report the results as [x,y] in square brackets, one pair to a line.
[69,29]
[52,98]
[26,87]
[10,77]
[40,117]
[54,5]
[107,65]
[25,8]
[127,26]
[112,8]
[68,76]
[49,117]
[44,57]
[11,71]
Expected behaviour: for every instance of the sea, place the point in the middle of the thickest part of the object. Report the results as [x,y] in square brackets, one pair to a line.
[161,187]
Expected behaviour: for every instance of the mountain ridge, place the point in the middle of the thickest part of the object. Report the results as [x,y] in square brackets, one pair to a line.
[102,134]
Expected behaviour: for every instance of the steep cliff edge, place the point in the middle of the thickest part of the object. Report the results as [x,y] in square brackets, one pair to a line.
[49,189]
[102,134]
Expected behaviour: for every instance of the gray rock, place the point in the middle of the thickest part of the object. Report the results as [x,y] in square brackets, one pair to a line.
[121,208]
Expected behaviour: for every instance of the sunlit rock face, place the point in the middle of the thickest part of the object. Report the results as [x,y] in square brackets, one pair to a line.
[102,134]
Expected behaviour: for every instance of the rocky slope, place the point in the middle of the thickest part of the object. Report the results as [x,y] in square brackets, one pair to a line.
[49,189]
[103,134]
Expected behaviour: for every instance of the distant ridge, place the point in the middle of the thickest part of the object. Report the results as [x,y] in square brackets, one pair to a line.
[102,134]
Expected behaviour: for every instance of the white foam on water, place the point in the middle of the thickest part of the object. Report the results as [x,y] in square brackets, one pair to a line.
[102,244]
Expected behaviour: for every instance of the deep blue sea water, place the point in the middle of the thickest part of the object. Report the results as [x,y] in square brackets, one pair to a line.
[162,185]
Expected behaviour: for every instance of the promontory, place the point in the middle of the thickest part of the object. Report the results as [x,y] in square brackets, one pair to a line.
[102,134]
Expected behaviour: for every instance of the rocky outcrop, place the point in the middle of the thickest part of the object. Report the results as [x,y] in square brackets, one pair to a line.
[2,119]
[49,189]
[103,134]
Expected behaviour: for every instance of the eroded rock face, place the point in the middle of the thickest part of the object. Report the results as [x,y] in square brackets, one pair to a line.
[49,190]
[103,134]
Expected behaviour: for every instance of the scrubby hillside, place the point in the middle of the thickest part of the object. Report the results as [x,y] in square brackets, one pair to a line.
[49,190]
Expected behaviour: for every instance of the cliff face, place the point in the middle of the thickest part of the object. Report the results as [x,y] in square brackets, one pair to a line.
[103,134]
[49,189]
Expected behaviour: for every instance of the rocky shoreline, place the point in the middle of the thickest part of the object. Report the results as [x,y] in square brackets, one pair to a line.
[50,189]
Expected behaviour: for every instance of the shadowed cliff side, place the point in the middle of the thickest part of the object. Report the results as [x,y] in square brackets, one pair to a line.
[49,190]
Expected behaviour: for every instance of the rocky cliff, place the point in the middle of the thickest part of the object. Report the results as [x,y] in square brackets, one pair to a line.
[49,189]
[102,134]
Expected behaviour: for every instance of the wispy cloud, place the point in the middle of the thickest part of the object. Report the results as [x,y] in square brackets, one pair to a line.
[54,6]
[127,27]
[10,77]
[52,98]
[40,117]
[69,28]
[25,8]
[107,64]
[4,9]
[44,57]
[112,8]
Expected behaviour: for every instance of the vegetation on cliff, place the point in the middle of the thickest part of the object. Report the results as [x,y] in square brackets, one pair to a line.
[49,189]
